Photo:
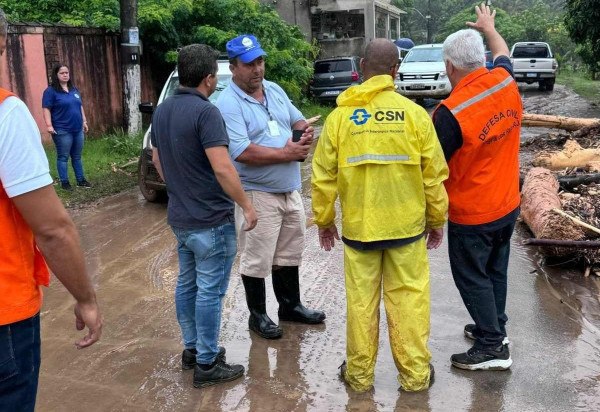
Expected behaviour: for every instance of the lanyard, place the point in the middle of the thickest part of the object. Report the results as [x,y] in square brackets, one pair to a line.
[266,105]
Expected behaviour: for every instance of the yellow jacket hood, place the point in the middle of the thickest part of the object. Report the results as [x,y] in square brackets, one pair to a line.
[363,93]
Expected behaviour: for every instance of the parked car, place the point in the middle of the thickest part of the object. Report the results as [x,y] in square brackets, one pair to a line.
[151,185]
[533,63]
[332,76]
[422,73]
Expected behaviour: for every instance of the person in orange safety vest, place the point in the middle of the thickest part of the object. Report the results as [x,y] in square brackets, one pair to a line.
[35,228]
[479,127]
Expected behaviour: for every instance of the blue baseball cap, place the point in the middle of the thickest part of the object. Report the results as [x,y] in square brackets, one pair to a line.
[245,47]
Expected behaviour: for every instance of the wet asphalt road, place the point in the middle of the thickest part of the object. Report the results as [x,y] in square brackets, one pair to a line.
[554,321]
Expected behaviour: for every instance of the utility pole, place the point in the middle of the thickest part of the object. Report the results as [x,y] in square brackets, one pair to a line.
[130,64]
[428,18]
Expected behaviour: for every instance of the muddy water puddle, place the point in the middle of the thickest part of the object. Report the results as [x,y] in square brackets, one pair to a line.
[130,251]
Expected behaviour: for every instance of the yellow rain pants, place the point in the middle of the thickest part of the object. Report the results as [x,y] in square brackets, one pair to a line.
[404,274]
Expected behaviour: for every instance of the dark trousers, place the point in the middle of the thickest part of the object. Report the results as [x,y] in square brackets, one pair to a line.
[479,263]
[19,364]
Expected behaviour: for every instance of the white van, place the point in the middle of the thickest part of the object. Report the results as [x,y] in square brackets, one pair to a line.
[151,185]
[422,73]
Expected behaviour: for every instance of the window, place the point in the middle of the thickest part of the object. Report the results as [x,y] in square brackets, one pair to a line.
[531,52]
[425,55]
[333,66]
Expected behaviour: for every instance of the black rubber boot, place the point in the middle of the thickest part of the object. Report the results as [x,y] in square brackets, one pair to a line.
[259,321]
[287,290]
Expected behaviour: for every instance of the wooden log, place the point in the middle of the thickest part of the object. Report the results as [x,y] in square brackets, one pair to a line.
[538,197]
[579,244]
[569,182]
[572,155]
[557,122]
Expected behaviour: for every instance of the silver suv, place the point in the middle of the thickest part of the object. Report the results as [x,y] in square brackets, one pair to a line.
[422,73]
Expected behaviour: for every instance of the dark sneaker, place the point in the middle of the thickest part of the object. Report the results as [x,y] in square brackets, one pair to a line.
[84,183]
[483,359]
[66,186]
[219,373]
[188,357]
[470,333]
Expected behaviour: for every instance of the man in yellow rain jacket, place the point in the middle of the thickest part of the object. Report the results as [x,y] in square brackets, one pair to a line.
[380,153]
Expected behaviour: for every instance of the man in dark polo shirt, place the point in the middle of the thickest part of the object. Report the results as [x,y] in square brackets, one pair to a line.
[191,155]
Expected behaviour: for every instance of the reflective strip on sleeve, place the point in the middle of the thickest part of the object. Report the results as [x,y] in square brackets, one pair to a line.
[385,158]
[482,95]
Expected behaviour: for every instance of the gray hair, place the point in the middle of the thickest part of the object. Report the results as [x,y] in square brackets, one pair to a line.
[465,50]
[3,24]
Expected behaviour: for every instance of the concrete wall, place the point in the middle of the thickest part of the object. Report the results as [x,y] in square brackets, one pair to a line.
[342,47]
[293,12]
[94,61]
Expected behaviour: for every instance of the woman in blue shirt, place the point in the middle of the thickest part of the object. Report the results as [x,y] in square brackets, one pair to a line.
[65,119]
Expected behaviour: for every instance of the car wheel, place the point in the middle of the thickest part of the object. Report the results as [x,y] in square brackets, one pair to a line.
[550,85]
[151,195]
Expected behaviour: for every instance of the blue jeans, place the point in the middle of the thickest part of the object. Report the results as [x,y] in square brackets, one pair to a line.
[19,364]
[69,144]
[479,264]
[205,260]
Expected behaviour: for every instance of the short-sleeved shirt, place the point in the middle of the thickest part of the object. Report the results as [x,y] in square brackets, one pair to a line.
[183,127]
[65,109]
[23,163]
[247,122]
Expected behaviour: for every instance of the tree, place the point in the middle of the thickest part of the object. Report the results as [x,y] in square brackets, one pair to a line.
[581,21]
[505,24]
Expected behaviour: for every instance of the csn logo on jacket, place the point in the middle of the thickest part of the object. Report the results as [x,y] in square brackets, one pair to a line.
[362,116]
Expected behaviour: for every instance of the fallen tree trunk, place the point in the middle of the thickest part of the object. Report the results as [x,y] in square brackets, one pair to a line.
[572,155]
[557,122]
[579,244]
[569,182]
[538,197]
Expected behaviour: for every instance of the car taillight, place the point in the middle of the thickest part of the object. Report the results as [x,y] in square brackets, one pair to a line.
[554,65]
[355,76]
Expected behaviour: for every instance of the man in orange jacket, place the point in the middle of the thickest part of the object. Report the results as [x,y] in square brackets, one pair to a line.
[479,128]
[35,228]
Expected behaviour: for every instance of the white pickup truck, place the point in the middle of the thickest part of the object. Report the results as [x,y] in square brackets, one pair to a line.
[533,63]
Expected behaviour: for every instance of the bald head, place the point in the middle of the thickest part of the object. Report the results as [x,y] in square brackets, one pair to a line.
[381,57]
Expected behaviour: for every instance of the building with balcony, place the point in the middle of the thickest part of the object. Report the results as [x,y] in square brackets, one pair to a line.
[341,27]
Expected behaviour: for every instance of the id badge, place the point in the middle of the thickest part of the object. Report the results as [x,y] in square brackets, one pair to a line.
[273,128]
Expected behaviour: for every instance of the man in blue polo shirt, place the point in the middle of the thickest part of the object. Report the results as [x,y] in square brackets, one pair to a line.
[260,118]
[190,153]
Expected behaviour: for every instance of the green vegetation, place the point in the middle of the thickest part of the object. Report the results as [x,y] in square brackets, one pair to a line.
[110,164]
[311,109]
[582,84]
[166,25]
[581,20]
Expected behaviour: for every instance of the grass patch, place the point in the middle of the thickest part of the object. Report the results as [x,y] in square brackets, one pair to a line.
[581,84]
[110,165]
[311,109]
